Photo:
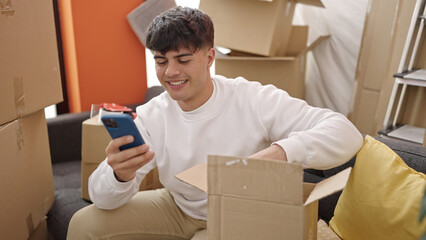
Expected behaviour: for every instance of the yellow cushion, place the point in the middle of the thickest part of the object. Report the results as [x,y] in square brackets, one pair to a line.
[381,199]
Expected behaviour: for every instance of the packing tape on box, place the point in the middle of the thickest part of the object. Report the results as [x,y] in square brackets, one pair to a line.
[19,134]
[6,8]
[18,88]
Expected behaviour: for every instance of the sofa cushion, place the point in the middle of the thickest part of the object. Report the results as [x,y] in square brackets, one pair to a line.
[382,198]
[67,181]
[414,155]
[65,136]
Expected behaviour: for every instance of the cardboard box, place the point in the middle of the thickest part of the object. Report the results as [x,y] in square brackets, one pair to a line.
[385,31]
[258,27]
[413,109]
[95,139]
[366,122]
[260,199]
[30,74]
[40,233]
[26,192]
[287,73]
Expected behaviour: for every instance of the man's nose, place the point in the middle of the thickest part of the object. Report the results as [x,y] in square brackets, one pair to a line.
[172,69]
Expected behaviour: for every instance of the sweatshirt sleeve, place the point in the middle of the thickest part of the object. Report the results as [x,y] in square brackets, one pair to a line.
[313,137]
[106,192]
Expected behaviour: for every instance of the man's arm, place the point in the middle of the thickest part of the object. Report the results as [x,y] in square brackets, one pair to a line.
[118,177]
[275,152]
[311,136]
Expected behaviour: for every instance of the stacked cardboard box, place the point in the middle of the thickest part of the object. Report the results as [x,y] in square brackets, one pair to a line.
[287,72]
[95,139]
[30,78]
[30,81]
[26,175]
[41,232]
[265,46]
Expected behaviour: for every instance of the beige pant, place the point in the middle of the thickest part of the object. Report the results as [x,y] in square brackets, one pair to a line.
[148,215]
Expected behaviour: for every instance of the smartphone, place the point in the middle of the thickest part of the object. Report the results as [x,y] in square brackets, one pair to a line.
[119,125]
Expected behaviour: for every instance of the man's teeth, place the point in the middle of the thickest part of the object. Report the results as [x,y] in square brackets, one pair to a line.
[177,83]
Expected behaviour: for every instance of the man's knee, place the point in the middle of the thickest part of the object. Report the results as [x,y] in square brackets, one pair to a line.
[200,235]
[81,225]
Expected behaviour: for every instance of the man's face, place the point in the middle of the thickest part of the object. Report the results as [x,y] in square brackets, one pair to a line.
[185,75]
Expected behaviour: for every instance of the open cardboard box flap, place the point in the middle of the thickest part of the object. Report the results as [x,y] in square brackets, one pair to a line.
[329,186]
[197,177]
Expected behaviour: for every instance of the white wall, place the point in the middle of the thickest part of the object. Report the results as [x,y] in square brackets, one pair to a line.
[331,66]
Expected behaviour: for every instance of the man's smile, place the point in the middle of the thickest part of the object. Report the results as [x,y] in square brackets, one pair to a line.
[176,83]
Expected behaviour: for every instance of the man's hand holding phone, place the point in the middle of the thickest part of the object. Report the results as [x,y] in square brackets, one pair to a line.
[126,162]
[127,152]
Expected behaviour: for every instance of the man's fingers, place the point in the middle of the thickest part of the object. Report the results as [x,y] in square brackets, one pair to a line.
[126,170]
[126,162]
[136,162]
[132,152]
[115,144]
[125,155]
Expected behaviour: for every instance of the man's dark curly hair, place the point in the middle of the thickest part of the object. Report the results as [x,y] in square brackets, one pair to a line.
[180,27]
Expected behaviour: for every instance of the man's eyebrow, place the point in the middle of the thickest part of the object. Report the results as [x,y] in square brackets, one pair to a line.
[177,56]
[183,55]
[159,57]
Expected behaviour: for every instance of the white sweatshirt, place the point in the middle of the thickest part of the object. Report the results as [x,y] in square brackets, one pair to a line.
[239,119]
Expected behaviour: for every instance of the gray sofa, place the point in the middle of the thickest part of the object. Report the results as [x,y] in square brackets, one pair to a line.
[65,147]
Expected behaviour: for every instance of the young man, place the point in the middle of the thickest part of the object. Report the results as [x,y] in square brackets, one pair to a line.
[196,116]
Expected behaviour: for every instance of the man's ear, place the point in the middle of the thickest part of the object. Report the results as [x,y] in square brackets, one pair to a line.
[211,55]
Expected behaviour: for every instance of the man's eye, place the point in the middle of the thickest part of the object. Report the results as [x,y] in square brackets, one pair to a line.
[161,63]
[183,61]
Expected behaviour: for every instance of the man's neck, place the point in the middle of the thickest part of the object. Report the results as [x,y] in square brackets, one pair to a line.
[192,104]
